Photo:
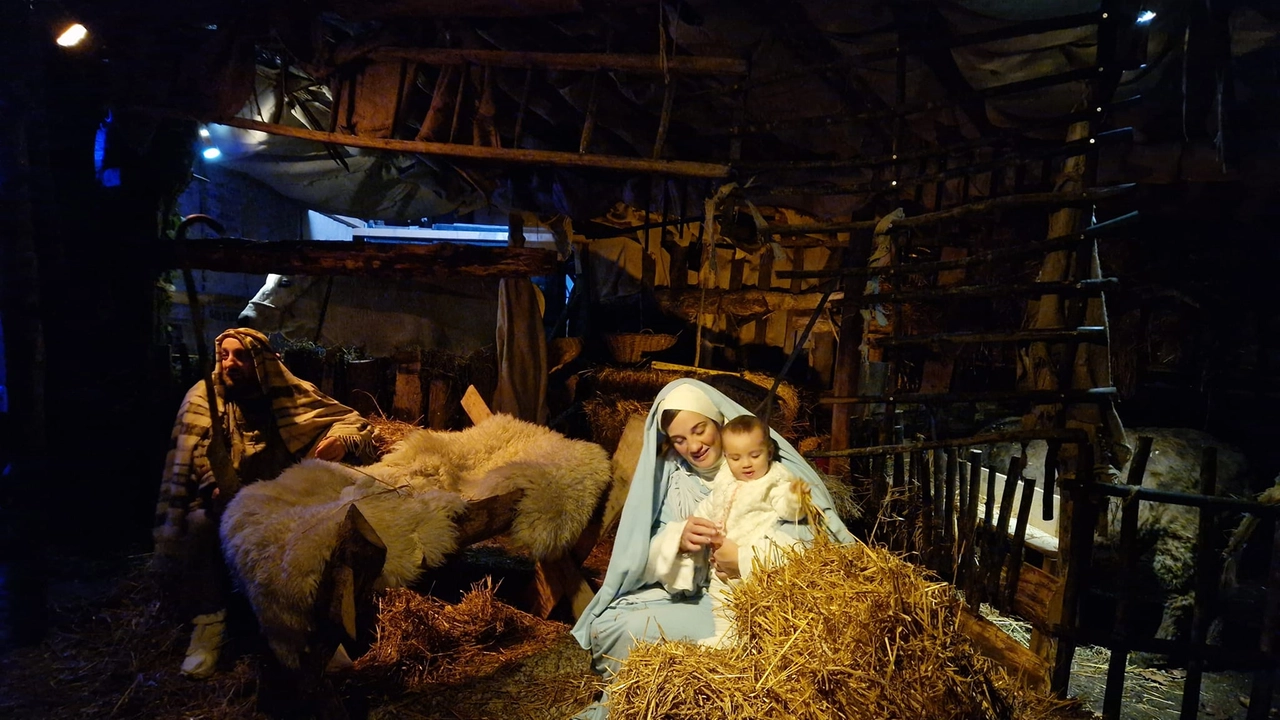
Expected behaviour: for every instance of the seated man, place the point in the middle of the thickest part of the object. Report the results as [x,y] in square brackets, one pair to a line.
[269,419]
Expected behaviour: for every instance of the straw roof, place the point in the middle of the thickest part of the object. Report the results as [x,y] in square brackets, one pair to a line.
[847,631]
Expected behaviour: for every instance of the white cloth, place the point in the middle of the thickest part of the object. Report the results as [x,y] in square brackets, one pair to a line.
[689,397]
[751,514]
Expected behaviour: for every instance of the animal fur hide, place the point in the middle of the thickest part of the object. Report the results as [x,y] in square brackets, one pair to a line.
[278,535]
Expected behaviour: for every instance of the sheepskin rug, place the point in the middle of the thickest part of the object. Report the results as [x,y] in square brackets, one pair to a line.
[278,535]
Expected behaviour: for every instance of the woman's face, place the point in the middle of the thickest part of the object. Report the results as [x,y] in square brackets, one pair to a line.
[696,437]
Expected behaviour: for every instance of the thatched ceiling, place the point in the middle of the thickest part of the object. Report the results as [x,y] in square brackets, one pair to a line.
[824,81]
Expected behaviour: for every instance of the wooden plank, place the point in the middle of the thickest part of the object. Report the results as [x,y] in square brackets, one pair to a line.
[475,406]
[996,644]
[1019,539]
[1001,530]
[515,156]
[378,260]
[555,580]
[1033,595]
[586,62]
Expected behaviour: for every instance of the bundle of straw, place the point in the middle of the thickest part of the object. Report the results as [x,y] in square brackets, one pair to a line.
[836,631]
[388,431]
[425,641]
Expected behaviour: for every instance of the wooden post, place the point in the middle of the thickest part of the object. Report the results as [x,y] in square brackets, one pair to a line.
[1128,566]
[1264,677]
[438,404]
[1206,584]
[407,405]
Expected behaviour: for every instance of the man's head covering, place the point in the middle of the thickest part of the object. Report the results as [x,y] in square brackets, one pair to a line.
[302,412]
[649,488]
[688,397]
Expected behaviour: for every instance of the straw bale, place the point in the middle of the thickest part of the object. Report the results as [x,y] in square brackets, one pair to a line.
[846,631]
[608,415]
[622,392]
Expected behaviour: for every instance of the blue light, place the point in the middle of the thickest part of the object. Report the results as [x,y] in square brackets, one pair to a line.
[211,153]
[111,177]
[1145,17]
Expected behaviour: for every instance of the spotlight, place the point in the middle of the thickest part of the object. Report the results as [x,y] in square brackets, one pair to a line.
[72,35]
[1145,17]
[204,131]
[211,153]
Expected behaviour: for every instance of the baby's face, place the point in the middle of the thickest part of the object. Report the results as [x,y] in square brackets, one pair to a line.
[747,454]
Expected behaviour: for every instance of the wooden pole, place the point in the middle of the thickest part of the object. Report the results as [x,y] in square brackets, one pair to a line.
[681,168]
[1128,566]
[586,62]
[1206,575]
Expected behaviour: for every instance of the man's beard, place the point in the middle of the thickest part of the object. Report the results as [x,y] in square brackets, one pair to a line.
[240,386]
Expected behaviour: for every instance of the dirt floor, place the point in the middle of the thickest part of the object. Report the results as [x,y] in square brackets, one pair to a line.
[113,653]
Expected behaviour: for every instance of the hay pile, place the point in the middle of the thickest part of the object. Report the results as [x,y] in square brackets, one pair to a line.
[623,392]
[113,652]
[844,631]
[424,641]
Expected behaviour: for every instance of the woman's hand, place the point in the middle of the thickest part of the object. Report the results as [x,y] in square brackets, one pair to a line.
[698,533]
[725,560]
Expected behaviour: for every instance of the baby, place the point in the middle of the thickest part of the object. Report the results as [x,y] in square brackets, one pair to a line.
[750,498]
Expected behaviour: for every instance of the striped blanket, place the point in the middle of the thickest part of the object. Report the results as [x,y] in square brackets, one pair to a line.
[302,416]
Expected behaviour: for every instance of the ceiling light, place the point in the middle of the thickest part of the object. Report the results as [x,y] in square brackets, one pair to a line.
[1145,17]
[204,131]
[72,36]
[211,153]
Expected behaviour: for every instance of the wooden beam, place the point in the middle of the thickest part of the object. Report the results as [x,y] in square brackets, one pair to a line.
[746,303]
[1066,435]
[1006,202]
[586,62]
[1034,396]
[364,259]
[681,168]
[982,258]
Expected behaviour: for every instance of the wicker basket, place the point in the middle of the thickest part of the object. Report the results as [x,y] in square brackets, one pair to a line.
[628,347]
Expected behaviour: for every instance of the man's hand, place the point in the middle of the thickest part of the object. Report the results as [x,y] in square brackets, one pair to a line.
[725,560]
[330,448]
[698,533]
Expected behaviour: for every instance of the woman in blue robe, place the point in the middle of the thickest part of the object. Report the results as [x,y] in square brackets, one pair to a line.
[647,595]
